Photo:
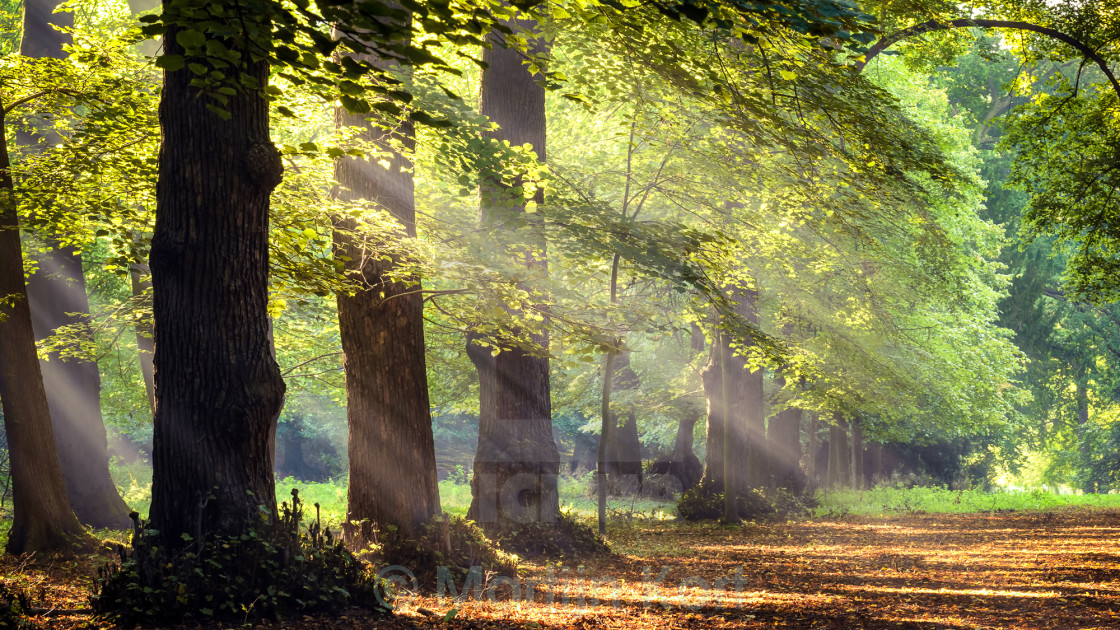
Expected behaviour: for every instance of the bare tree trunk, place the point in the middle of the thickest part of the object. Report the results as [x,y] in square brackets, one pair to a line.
[218,388]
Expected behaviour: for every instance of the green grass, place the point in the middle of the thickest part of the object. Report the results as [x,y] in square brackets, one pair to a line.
[135,483]
[885,500]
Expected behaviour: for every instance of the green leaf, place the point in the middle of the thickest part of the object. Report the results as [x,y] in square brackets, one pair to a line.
[190,39]
[171,63]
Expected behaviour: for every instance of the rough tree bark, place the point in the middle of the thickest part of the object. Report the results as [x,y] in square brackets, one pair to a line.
[57,297]
[391,447]
[218,388]
[517,462]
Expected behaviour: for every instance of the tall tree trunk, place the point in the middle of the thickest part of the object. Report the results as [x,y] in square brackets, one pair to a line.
[57,297]
[43,520]
[218,388]
[391,447]
[517,462]
[784,445]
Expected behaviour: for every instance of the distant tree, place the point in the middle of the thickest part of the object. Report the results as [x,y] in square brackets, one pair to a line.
[57,295]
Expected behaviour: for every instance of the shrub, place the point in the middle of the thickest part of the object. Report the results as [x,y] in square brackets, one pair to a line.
[447,541]
[272,570]
[704,502]
[568,536]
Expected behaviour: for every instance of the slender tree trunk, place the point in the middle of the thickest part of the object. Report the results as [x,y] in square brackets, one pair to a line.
[1085,449]
[43,520]
[606,429]
[218,388]
[391,447]
[517,462]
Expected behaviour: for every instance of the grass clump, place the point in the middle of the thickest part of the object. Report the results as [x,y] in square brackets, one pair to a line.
[273,570]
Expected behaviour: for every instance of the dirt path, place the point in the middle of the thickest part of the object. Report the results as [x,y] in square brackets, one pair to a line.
[1057,569]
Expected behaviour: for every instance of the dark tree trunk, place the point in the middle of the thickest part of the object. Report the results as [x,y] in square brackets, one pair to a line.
[517,462]
[1085,449]
[43,520]
[57,296]
[218,388]
[784,445]
[391,447]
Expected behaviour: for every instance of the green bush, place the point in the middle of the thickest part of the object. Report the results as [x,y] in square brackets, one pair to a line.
[568,536]
[705,503]
[272,570]
[447,541]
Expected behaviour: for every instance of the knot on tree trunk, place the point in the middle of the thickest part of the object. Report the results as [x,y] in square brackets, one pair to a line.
[264,165]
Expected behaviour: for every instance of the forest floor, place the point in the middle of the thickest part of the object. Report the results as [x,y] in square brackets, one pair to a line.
[1027,569]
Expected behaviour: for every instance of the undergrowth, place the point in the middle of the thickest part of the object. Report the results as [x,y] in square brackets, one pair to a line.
[272,570]
[704,503]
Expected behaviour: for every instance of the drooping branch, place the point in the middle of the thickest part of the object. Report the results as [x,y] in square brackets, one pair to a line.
[935,25]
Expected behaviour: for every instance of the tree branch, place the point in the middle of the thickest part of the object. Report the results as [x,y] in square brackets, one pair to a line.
[934,25]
